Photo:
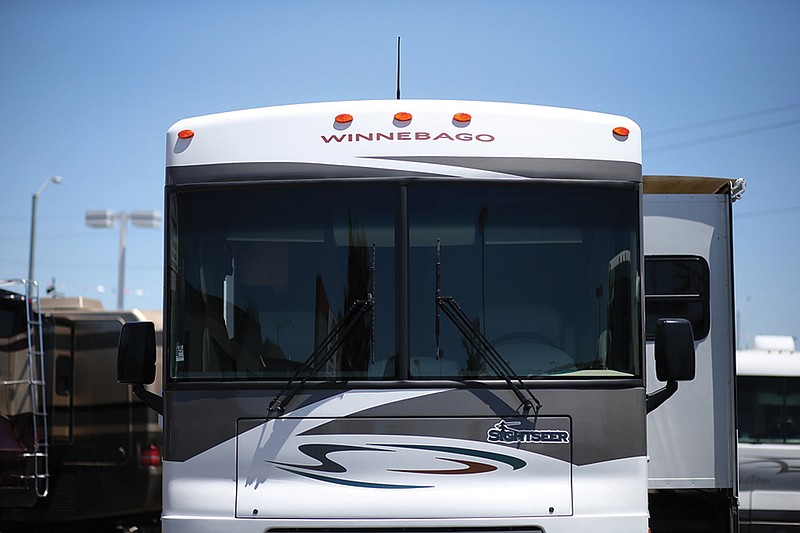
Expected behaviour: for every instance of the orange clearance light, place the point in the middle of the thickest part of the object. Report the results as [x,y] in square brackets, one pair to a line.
[344,118]
[402,116]
[185,134]
[462,117]
[621,131]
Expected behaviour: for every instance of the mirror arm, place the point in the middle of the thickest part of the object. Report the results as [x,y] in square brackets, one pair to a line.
[153,401]
[653,401]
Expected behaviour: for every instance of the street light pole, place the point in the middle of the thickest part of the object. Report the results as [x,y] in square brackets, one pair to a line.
[106,219]
[32,250]
[123,231]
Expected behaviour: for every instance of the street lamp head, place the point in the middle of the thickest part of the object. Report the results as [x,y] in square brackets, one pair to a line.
[100,218]
[55,179]
[146,219]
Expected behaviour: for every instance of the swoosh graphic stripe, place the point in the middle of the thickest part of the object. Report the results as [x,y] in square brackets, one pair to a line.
[352,483]
[511,461]
[320,453]
[471,468]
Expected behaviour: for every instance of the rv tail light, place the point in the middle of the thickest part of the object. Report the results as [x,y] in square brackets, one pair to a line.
[150,456]
[621,131]
[462,118]
[185,134]
[402,116]
[344,118]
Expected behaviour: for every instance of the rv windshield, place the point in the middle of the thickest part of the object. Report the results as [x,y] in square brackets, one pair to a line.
[260,276]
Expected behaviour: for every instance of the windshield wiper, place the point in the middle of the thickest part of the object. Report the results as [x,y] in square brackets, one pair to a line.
[479,341]
[330,345]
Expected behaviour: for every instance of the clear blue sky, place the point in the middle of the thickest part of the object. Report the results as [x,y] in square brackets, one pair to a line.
[88,89]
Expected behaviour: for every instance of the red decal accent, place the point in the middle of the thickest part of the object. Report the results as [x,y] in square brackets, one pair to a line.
[471,468]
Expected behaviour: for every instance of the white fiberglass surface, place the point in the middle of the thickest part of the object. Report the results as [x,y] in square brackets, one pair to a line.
[201,495]
[283,465]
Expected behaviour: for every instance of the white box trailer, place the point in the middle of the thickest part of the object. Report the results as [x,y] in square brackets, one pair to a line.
[691,441]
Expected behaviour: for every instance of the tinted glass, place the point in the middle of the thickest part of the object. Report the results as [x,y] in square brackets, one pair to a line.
[769,409]
[345,274]
[546,273]
[677,287]
[259,280]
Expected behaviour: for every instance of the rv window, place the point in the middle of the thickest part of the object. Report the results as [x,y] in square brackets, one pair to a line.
[769,409]
[677,287]
[63,375]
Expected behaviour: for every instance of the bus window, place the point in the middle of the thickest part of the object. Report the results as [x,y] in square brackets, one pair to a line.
[548,274]
[265,280]
[769,409]
[530,265]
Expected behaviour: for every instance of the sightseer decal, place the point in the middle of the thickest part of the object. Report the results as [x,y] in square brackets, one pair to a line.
[325,469]
[502,433]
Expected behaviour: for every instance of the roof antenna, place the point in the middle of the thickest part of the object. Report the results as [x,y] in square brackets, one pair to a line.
[398,68]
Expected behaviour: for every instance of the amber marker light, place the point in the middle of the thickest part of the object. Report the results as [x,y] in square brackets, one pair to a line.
[185,134]
[402,116]
[621,131]
[462,118]
[344,118]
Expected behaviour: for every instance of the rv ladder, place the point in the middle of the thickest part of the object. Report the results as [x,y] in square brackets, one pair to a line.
[29,384]
[39,456]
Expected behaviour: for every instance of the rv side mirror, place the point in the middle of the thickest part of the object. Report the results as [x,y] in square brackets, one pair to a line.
[674,350]
[136,357]
[675,359]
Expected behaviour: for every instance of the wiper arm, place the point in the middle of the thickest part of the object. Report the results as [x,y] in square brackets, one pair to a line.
[486,350]
[322,354]
[483,346]
[329,345]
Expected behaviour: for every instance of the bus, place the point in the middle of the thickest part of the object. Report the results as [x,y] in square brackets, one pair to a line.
[769,435]
[405,315]
[77,450]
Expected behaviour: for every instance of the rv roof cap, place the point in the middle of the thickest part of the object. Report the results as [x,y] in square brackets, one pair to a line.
[774,343]
[71,304]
